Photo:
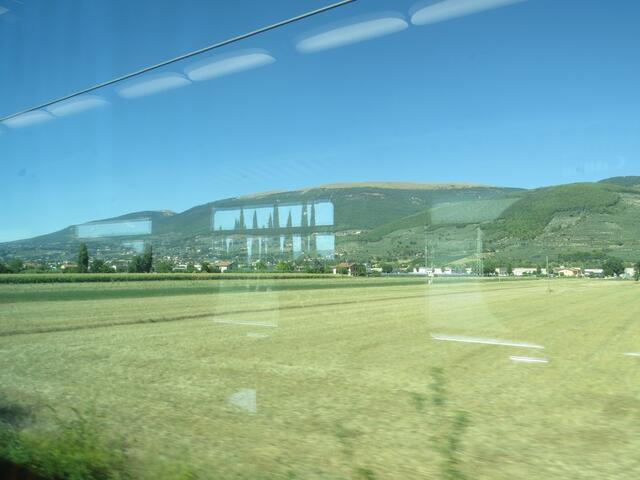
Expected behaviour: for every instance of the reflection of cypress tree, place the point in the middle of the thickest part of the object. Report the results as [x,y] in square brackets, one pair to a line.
[276,227]
[276,218]
[241,221]
[304,222]
[267,241]
[312,244]
[270,222]
[312,224]
[254,242]
[254,224]
[289,237]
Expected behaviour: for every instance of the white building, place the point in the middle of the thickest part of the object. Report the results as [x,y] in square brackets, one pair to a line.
[593,272]
[522,271]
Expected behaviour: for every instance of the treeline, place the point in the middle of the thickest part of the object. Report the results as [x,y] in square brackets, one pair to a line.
[611,266]
[25,278]
[145,263]
[15,265]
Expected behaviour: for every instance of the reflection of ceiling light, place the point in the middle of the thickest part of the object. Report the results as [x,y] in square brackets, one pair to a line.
[26,119]
[528,359]
[76,105]
[448,9]
[153,84]
[140,226]
[226,65]
[131,90]
[485,341]
[352,33]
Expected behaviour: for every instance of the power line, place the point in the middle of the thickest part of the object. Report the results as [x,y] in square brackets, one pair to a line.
[182,57]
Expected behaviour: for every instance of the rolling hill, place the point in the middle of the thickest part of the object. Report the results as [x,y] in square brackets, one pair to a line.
[392,221]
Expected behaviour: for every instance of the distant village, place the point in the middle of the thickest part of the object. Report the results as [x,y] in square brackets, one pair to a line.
[205,256]
[178,264]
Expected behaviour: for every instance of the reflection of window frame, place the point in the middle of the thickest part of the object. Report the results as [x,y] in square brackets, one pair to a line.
[283,210]
[118,234]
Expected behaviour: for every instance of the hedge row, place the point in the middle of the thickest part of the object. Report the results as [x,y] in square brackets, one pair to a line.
[137,277]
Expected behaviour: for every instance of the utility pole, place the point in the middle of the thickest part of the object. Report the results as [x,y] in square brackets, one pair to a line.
[426,254]
[548,277]
[479,252]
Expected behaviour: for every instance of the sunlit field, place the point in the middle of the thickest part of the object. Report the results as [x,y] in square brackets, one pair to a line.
[338,378]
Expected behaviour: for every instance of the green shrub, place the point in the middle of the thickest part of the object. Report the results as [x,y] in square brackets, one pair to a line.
[71,449]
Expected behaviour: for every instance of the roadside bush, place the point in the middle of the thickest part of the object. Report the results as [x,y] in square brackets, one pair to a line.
[283,267]
[163,266]
[99,266]
[613,266]
[15,266]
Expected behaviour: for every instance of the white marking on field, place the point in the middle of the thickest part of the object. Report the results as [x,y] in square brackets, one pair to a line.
[528,359]
[245,399]
[240,322]
[257,335]
[632,354]
[484,341]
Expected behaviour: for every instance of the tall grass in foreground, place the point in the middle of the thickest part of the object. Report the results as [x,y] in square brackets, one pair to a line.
[71,448]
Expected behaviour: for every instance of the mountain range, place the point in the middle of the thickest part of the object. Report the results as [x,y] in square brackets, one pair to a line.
[391,221]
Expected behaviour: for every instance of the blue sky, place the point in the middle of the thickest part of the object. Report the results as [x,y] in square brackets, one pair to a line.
[527,93]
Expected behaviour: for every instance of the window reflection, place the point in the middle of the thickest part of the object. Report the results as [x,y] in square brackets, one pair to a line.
[120,228]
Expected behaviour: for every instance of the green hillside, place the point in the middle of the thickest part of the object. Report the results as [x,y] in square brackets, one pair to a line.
[528,217]
[384,220]
[420,219]
[631,181]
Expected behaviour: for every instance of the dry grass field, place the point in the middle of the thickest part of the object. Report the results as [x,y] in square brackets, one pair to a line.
[338,378]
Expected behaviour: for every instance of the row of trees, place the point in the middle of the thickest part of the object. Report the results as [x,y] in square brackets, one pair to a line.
[15,265]
[139,263]
[142,263]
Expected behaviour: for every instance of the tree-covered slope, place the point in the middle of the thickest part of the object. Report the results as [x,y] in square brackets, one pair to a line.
[630,181]
[528,217]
